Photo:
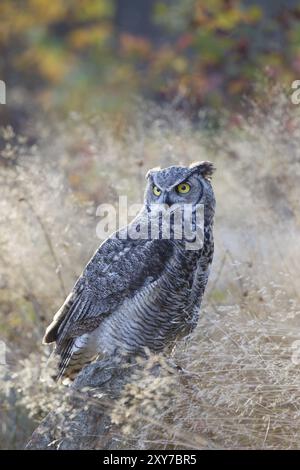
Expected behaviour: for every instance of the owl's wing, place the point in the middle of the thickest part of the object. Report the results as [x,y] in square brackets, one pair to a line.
[116,271]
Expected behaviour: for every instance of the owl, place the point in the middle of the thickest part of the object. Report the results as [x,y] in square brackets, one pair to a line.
[139,293]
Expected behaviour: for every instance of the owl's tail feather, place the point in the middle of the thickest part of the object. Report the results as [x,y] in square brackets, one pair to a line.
[61,317]
[73,356]
[65,355]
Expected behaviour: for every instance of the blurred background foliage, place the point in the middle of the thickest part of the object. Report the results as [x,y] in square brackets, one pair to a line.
[97,54]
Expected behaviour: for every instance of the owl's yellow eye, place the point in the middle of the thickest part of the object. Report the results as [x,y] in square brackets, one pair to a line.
[156,191]
[183,188]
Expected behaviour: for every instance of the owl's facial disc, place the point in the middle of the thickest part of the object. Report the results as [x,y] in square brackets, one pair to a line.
[179,192]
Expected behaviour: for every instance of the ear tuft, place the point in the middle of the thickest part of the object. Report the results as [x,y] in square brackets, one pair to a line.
[205,168]
[153,170]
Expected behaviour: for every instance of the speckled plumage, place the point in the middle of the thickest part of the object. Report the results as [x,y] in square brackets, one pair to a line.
[138,293]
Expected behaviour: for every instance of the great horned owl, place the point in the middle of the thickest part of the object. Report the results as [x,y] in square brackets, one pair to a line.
[139,293]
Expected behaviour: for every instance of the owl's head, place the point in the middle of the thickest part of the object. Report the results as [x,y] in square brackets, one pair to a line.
[181,185]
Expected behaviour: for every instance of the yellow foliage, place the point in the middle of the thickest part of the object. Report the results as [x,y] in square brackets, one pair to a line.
[91,9]
[45,11]
[95,35]
[226,20]
[254,13]
[131,44]
[218,16]
[15,20]
[48,62]
[164,57]
[180,64]
[236,86]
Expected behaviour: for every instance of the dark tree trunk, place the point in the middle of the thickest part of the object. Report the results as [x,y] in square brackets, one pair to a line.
[125,391]
[86,422]
[135,17]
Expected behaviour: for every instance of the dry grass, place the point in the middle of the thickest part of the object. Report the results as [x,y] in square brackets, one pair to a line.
[242,386]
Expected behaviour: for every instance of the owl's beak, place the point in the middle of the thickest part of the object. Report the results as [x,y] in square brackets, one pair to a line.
[166,198]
